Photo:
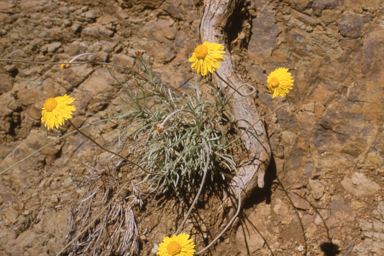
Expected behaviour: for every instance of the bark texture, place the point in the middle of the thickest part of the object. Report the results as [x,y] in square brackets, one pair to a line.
[217,13]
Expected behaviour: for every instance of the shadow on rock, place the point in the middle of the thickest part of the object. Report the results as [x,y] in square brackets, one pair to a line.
[265,193]
[330,249]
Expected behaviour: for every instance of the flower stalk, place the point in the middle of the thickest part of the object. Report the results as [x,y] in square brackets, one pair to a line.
[109,151]
[68,65]
[160,127]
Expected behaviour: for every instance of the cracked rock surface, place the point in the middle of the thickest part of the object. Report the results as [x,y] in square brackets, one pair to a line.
[327,145]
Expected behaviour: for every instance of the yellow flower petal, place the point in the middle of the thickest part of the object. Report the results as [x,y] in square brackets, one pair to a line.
[57,110]
[204,62]
[170,246]
[280,82]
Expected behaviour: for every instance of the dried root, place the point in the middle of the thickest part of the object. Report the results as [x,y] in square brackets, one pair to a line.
[114,231]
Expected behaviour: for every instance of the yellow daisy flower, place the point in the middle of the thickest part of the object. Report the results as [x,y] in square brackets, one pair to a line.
[280,82]
[206,57]
[179,245]
[57,110]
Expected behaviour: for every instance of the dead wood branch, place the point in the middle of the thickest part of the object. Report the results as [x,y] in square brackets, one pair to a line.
[215,20]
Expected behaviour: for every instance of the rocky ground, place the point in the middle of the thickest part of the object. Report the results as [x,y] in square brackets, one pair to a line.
[328,144]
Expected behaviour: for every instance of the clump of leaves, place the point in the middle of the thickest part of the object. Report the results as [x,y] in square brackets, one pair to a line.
[170,131]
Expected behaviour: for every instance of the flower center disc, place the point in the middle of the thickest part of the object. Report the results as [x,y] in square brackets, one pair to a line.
[173,248]
[201,51]
[50,104]
[275,81]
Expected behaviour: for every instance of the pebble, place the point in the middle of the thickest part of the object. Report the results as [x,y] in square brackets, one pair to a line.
[317,189]
[12,215]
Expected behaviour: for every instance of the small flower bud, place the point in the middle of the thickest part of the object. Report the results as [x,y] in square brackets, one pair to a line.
[138,53]
[65,66]
[159,128]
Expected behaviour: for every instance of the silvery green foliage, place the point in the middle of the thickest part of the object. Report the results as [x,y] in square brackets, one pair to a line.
[176,155]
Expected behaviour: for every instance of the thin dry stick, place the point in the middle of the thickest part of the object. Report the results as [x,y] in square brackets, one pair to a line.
[109,151]
[297,213]
[90,224]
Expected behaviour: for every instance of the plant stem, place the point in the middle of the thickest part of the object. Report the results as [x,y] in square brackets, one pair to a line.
[236,90]
[25,158]
[166,119]
[87,53]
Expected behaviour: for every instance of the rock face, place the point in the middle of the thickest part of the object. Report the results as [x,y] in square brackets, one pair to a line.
[372,228]
[327,144]
[252,237]
[360,185]
[332,132]
[351,25]
[263,24]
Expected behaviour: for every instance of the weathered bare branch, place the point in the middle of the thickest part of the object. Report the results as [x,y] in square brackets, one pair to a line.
[214,23]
